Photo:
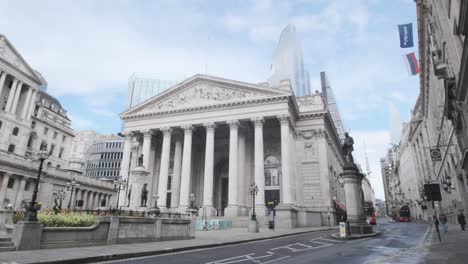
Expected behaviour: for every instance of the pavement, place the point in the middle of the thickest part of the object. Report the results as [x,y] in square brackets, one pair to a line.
[453,248]
[203,239]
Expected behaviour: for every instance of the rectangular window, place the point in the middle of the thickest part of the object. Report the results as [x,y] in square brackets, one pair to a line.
[27,186]
[63,138]
[46,130]
[60,153]
[11,148]
[55,135]
[52,148]
[11,183]
[169,182]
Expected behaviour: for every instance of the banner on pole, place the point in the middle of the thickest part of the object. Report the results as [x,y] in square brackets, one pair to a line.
[406,35]
[412,64]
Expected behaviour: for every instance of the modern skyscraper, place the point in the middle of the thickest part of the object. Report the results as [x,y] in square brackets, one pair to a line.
[330,104]
[288,63]
[142,86]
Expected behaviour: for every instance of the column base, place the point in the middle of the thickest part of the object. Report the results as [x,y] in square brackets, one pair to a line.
[232,210]
[207,211]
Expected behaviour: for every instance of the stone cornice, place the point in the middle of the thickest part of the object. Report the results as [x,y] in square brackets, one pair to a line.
[222,105]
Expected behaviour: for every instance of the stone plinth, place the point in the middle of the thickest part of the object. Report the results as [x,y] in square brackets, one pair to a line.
[354,201]
[139,177]
[27,235]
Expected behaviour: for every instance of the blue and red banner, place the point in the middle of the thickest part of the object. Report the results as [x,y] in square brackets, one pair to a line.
[406,35]
[412,64]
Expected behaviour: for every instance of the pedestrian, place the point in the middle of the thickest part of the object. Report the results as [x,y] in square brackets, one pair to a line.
[461,220]
[443,220]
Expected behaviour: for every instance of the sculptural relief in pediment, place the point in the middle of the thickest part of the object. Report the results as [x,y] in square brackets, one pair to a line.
[203,95]
[9,55]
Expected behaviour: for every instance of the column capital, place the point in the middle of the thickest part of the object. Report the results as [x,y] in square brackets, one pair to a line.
[210,126]
[128,135]
[258,121]
[166,131]
[188,129]
[233,124]
[284,119]
[147,133]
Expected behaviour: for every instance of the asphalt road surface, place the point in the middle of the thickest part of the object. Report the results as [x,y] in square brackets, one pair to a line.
[315,247]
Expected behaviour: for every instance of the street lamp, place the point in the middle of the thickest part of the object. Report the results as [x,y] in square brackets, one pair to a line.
[192,200]
[32,208]
[253,191]
[71,186]
[119,185]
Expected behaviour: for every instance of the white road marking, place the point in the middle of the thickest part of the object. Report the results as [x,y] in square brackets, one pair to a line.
[270,261]
[331,240]
[249,258]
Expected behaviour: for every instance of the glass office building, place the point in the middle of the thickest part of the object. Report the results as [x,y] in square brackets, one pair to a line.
[288,63]
[142,86]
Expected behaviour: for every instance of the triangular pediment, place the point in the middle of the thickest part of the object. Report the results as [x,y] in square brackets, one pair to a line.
[9,54]
[202,90]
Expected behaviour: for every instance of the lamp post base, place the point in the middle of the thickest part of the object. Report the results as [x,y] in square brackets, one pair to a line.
[254,227]
[27,235]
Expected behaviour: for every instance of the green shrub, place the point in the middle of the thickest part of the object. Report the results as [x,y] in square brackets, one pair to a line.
[72,219]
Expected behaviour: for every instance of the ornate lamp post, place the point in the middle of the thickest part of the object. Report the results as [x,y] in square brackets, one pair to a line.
[71,186]
[32,208]
[253,191]
[119,185]
[192,201]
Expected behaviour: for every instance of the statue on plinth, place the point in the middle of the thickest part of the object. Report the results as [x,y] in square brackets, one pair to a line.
[348,148]
[140,161]
[144,195]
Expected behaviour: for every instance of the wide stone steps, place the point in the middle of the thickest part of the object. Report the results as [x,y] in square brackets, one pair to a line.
[6,244]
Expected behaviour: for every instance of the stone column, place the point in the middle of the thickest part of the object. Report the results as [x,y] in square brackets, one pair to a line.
[184,201]
[233,202]
[164,169]
[242,190]
[26,104]
[147,135]
[11,95]
[353,193]
[20,193]
[285,166]
[32,105]
[259,167]
[3,188]
[127,150]
[175,187]
[16,98]
[208,174]
[2,80]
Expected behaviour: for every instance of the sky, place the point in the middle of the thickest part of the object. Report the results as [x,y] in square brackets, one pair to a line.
[86,50]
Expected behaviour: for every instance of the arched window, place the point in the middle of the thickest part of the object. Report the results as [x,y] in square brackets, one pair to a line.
[15,131]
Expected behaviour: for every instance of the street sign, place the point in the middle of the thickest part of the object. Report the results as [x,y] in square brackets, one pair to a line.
[435,154]
[342,229]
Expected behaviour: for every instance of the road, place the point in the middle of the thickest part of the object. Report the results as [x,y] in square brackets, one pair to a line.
[316,247]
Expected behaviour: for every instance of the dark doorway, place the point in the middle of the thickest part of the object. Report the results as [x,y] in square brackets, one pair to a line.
[224,193]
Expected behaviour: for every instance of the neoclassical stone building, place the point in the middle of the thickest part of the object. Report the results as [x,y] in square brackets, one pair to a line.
[214,137]
[28,117]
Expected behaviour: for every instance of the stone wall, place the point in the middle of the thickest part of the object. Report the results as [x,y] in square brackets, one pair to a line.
[113,230]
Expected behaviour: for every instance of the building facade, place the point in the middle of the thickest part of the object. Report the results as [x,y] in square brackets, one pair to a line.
[104,157]
[29,117]
[213,138]
[331,105]
[288,63]
[432,148]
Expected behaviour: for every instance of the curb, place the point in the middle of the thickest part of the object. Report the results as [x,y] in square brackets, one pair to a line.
[166,251]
